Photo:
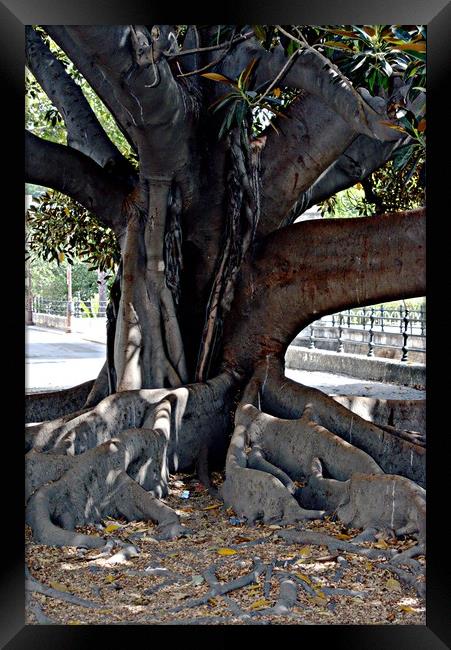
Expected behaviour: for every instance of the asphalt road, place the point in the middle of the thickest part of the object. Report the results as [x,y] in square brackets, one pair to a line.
[56,360]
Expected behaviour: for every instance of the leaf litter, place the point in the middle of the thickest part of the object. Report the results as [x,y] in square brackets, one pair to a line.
[141,580]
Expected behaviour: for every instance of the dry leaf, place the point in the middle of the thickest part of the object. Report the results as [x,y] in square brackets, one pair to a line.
[217,505]
[305,578]
[381,544]
[59,586]
[343,536]
[407,609]
[392,585]
[74,622]
[226,551]
[305,551]
[110,578]
[260,604]
[318,600]
[111,527]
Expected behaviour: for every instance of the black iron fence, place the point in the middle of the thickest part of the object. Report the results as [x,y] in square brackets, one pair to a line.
[371,322]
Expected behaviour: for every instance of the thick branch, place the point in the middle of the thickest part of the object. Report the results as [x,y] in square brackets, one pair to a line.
[360,159]
[319,267]
[96,79]
[308,72]
[84,131]
[308,142]
[72,173]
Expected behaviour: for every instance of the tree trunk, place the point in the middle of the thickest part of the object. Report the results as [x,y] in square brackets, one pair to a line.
[210,291]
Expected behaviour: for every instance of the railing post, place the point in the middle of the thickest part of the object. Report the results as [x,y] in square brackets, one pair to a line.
[382,318]
[370,341]
[401,322]
[422,319]
[312,338]
[340,332]
[405,336]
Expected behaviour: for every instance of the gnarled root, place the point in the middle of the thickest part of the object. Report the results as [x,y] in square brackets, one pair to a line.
[98,464]
[344,461]
[55,404]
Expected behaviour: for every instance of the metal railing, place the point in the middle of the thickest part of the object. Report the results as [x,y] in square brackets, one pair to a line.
[78,308]
[410,324]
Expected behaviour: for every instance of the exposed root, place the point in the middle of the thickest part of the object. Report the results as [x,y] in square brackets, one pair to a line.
[33,585]
[55,404]
[96,465]
[342,470]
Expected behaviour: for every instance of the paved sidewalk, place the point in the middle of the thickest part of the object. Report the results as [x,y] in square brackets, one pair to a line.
[56,360]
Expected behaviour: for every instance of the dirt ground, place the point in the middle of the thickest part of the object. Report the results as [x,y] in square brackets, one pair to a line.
[140,580]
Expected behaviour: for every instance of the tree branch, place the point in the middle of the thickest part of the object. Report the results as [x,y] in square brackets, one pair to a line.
[96,79]
[71,172]
[310,73]
[308,142]
[310,269]
[360,159]
[84,131]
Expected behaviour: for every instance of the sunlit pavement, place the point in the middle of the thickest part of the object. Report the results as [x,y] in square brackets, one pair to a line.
[56,360]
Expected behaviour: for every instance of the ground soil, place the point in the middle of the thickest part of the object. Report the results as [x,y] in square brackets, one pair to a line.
[128,591]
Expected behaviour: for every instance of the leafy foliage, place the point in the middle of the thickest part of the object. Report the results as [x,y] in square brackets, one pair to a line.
[385,190]
[60,228]
[241,105]
[387,60]
[48,279]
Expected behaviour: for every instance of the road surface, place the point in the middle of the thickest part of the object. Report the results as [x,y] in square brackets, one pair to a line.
[56,360]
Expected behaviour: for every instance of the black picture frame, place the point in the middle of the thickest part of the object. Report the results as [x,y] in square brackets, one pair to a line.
[14,15]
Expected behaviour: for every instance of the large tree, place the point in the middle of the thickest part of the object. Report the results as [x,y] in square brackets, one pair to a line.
[237,130]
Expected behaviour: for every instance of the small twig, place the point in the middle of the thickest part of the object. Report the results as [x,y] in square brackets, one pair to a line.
[268,574]
[33,585]
[37,610]
[287,596]
[219,589]
[406,578]
[319,539]
[211,48]
[283,71]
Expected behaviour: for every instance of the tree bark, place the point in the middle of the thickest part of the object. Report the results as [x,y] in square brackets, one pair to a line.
[310,269]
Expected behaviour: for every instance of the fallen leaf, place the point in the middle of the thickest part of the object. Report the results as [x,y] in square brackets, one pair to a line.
[241,540]
[259,604]
[305,578]
[391,617]
[74,622]
[305,551]
[226,551]
[368,566]
[110,578]
[111,527]
[197,580]
[317,600]
[275,527]
[216,505]
[343,536]
[59,586]
[407,609]
[392,585]
[381,544]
